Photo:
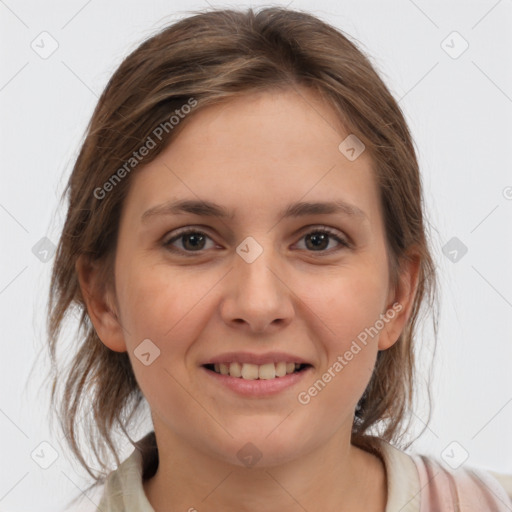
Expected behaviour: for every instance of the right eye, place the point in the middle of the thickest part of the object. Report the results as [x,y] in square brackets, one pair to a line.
[190,240]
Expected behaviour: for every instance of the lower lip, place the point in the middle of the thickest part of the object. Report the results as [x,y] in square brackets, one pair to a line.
[258,387]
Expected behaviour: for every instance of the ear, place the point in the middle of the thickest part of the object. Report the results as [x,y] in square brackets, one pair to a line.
[400,302]
[100,304]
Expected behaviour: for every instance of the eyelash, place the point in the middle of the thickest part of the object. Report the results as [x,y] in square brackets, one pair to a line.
[189,231]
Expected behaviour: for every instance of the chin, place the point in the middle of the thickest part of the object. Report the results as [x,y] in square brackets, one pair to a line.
[260,451]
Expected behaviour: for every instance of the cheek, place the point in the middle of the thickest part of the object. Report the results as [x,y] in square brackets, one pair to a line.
[156,300]
[164,307]
[348,303]
[169,307]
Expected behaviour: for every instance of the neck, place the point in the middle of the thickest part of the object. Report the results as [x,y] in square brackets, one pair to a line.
[336,476]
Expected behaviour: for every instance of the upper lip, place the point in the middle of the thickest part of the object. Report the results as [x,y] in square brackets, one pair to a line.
[252,358]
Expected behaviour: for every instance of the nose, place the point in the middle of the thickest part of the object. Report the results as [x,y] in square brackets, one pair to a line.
[257,298]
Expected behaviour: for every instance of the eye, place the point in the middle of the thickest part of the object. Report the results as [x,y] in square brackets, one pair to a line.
[318,239]
[192,240]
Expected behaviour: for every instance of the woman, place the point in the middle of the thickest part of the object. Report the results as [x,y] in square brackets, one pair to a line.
[246,245]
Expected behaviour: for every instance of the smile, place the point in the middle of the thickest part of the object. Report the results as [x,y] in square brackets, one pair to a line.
[250,371]
[256,381]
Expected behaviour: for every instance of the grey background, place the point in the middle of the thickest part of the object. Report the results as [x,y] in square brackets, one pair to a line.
[459,111]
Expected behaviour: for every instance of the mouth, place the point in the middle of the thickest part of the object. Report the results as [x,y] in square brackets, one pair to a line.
[249,371]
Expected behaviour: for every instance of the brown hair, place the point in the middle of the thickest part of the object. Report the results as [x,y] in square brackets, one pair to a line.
[211,57]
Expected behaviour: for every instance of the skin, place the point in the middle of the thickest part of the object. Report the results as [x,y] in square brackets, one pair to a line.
[254,155]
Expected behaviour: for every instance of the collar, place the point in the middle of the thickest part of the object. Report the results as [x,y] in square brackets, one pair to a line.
[124,491]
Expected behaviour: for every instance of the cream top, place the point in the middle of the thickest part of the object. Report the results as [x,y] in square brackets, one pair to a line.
[415,483]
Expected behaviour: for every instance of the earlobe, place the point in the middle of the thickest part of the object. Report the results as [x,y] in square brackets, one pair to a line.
[400,303]
[100,306]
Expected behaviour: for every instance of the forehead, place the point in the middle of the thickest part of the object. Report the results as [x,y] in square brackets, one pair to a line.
[259,151]
[269,123]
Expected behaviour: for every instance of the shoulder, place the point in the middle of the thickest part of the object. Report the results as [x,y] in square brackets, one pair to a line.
[467,488]
[429,484]
[86,501]
[122,490]
[505,481]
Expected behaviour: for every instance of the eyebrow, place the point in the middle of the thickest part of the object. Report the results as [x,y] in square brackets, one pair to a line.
[211,209]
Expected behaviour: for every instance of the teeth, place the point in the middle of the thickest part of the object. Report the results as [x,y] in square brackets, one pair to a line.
[234,369]
[280,369]
[250,371]
[267,371]
[253,371]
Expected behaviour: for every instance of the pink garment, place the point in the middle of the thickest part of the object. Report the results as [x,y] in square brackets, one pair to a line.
[461,490]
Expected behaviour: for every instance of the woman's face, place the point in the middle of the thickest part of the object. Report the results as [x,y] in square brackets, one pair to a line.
[259,284]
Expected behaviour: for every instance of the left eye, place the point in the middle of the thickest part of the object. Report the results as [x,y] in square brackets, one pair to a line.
[194,241]
[319,239]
